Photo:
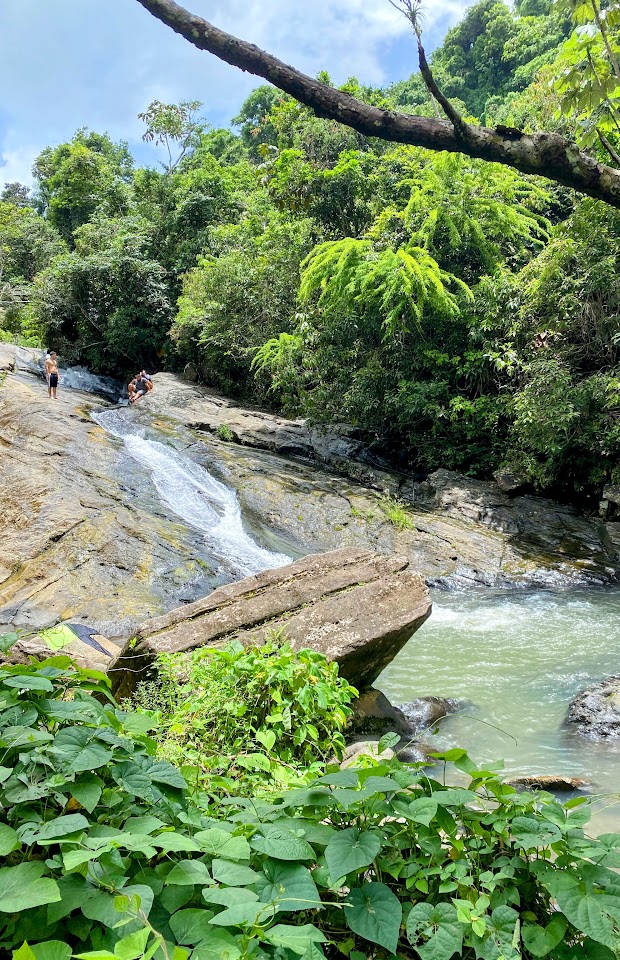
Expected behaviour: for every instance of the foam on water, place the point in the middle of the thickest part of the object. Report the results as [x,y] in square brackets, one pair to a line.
[195,496]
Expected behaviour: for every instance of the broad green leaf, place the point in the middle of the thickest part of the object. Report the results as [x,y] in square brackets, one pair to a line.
[439,927]
[282,844]
[244,914]
[297,939]
[24,682]
[542,940]
[50,950]
[132,946]
[217,945]
[163,772]
[219,843]
[375,913]
[174,842]
[454,797]
[78,748]
[191,926]
[61,827]
[422,810]
[87,791]
[189,872]
[350,850]
[254,761]
[388,740]
[289,886]
[584,911]
[23,887]
[233,874]
[96,955]
[267,738]
[74,891]
[24,737]
[228,896]
[314,952]
[502,934]
[9,840]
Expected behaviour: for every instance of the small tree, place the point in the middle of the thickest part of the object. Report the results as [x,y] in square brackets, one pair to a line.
[174,126]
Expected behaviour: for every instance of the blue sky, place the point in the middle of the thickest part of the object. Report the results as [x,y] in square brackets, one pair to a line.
[65,64]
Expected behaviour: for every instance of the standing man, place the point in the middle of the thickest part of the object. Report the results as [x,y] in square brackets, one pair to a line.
[51,371]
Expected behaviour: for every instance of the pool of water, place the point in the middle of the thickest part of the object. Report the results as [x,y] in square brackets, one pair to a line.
[519,659]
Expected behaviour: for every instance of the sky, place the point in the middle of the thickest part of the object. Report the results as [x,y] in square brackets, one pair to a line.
[66,64]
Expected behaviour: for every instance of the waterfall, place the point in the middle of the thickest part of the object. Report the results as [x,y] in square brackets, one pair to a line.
[195,496]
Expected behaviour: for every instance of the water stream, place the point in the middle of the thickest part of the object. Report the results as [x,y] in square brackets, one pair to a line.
[195,496]
[519,659]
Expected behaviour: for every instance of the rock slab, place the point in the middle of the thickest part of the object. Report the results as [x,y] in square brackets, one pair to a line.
[357,607]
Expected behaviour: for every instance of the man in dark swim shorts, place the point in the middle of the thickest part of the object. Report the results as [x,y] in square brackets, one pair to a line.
[51,370]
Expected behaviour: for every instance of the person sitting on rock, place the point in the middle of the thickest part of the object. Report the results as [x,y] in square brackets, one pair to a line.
[149,380]
[141,388]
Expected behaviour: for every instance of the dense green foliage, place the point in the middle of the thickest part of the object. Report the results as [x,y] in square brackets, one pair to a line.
[108,854]
[457,313]
[235,712]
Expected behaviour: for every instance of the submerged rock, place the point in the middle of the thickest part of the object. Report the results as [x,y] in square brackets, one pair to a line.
[375,714]
[425,712]
[554,784]
[595,713]
[356,607]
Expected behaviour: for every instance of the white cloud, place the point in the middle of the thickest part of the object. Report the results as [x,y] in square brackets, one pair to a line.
[98,63]
[17,164]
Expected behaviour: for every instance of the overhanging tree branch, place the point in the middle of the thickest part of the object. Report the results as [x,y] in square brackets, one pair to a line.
[544,154]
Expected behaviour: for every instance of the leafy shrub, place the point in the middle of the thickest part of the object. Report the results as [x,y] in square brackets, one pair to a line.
[106,855]
[236,712]
[224,432]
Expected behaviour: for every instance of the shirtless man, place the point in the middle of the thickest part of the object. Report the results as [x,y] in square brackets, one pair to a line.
[51,372]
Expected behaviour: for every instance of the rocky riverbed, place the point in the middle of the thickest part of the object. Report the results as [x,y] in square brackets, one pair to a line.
[85,535]
[461,532]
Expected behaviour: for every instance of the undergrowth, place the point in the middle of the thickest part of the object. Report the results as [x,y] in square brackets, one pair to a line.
[109,853]
[249,718]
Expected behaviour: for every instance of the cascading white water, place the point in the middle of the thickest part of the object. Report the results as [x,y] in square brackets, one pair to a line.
[195,496]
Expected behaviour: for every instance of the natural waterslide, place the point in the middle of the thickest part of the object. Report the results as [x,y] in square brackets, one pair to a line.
[195,496]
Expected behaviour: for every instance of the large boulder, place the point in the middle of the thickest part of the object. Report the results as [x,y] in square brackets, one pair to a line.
[595,713]
[357,607]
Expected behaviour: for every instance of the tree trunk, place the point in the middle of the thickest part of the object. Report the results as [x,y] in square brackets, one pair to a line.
[544,154]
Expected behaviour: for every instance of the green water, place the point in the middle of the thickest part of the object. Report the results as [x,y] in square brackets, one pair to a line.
[519,658]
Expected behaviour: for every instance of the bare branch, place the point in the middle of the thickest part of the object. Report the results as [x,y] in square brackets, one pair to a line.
[543,154]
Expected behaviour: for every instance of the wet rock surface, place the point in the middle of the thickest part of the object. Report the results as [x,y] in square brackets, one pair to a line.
[460,532]
[356,607]
[595,713]
[424,712]
[82,536]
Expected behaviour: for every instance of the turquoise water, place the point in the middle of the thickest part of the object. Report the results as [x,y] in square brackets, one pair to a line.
[519,658]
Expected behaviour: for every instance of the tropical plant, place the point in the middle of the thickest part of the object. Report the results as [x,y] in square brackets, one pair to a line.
[108,856]
[232,712]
